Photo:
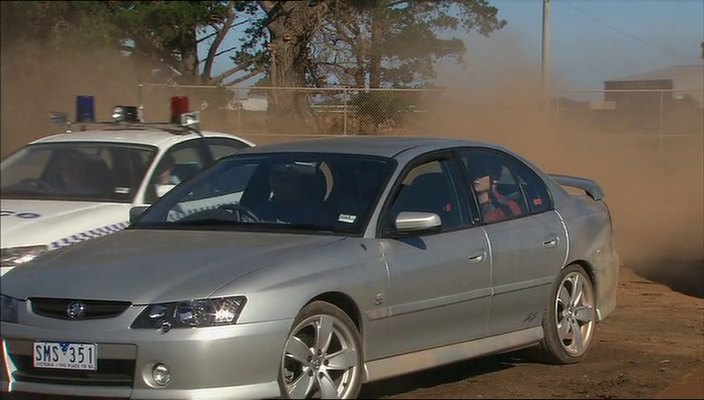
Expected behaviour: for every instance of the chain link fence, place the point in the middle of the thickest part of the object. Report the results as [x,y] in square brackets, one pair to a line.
[655,117]
[309,111]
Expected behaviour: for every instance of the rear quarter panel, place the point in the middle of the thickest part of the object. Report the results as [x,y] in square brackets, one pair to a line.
[591,244]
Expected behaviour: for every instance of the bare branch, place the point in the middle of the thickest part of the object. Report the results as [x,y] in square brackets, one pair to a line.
[267,6]
[204,38]
[245,77]
[237,68]
[226,50]
[212,51]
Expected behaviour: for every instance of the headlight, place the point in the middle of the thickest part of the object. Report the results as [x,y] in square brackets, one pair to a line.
[8,310]
[16,256]
[191,313]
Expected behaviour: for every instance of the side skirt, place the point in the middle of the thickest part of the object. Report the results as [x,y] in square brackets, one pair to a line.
[420,360]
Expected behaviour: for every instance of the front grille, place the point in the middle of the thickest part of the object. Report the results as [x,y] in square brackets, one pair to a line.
[94,309]
[110,373]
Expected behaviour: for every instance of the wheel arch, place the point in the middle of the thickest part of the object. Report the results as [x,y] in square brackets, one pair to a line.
[591,272]
[343,302]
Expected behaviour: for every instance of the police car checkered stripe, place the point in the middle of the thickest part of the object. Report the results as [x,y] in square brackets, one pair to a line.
[91,234]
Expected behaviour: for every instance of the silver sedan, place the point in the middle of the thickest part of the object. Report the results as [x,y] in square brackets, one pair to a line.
[307,269]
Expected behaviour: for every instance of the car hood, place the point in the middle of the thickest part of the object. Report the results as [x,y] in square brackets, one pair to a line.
[152,266]
[47,222]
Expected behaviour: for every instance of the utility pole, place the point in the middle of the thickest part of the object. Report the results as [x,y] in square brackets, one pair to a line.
[545,55]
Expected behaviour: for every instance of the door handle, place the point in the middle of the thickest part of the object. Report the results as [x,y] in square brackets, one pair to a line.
[550,243]
[477,257]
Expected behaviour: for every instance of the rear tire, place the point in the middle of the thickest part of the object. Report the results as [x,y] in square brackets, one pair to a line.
[322,356]
[570,318]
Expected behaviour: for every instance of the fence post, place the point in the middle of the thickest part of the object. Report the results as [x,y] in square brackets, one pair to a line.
[344,111]
[660,123]
[556,117]
[140,109]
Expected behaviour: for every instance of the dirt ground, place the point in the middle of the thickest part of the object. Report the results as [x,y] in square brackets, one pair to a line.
[651,346]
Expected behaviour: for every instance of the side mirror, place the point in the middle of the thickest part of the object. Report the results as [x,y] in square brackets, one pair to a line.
[135,212]
[408,221]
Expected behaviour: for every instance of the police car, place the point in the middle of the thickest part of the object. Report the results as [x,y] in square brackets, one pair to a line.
[81,184]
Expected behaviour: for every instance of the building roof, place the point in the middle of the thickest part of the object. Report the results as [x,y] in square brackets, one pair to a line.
[686,79]
[674,72]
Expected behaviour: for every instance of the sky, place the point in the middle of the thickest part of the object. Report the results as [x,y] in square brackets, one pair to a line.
[591,41]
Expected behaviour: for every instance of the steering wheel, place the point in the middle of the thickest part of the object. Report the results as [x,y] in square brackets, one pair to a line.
[242,213]
[36,183]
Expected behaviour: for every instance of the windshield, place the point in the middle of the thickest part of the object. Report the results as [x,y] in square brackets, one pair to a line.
[106,172]
[331,193]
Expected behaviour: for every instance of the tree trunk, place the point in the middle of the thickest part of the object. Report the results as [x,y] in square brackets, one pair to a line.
[189,54]
[377,36]
[288,107]
[370,124]
[290,26]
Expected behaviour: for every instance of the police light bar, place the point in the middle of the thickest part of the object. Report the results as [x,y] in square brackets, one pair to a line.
[85,109]
[125,114]
[58,117]
[179,105]
[190,120]
[182,120]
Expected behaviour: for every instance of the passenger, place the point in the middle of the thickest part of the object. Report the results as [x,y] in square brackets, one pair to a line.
[165,179]
[165,174]
[493,206]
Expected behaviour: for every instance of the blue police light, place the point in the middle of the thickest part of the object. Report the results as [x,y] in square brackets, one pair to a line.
[85,109]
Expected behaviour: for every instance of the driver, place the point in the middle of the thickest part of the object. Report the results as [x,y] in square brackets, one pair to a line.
[72,174]
[296,196]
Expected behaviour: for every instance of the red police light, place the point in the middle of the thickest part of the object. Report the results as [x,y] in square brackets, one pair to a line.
[179,105]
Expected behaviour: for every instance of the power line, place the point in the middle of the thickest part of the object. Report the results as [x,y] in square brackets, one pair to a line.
[672,52]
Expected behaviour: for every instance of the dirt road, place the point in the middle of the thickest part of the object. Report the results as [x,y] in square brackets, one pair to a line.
[651,346]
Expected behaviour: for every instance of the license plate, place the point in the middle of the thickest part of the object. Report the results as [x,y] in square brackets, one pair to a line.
[63,355]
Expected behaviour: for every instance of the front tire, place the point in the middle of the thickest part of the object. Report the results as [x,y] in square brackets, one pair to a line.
[322,356]
[570,318]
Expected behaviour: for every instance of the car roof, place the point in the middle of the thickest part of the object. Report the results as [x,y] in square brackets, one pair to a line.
[152,137]
[367,145]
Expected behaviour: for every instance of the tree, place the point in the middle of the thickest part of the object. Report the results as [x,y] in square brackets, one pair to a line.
[392,43]
[163,35]
[368,43]
[290,25]
[56,24]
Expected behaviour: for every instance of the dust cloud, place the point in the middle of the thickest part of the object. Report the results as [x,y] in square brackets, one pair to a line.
[656,195]
[36,81]
[655,192]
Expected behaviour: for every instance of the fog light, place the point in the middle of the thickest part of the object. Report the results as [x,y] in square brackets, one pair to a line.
[161,375]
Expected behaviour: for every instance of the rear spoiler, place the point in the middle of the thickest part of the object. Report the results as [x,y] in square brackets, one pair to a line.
[592,188]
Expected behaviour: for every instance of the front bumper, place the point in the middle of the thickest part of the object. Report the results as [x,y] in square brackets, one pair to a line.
[239,361]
